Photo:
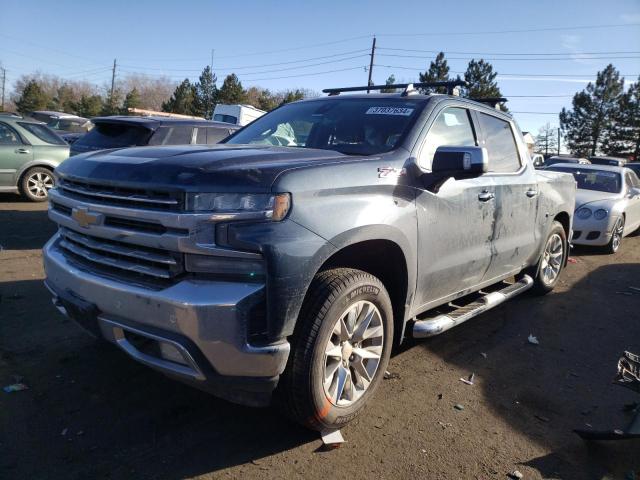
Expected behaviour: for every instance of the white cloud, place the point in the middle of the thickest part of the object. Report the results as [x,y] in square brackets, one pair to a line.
[630,17]
[572,43]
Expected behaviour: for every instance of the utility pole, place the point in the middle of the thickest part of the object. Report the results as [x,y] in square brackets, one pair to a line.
[558,140]
[4,79]
[373,52]
[113,83]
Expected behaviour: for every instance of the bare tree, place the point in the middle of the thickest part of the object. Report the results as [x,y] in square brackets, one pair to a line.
[547,139]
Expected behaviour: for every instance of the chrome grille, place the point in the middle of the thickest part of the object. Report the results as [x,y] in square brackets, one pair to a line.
[122,196]
[122,258]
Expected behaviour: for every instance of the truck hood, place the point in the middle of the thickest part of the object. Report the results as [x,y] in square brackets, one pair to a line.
[585,197]
[206,168]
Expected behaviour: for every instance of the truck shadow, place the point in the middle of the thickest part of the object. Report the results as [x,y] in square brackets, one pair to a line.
[25,229]
[545,391]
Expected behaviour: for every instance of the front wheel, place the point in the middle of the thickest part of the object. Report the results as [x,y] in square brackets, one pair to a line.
[340,349]
[36,183]
[552,260]
[616,237]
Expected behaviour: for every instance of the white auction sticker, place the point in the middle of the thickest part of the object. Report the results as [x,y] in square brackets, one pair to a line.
[405,112]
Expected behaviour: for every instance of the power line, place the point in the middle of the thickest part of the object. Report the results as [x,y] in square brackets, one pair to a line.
[419,69]
[287,68]
[501,32]
[570,57]
[512,53]
[305,74]
[537,113]
[227,68]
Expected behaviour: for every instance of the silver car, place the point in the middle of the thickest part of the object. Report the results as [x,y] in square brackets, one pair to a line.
[607,204]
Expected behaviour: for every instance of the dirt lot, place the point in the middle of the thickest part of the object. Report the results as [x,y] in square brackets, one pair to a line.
[90,412]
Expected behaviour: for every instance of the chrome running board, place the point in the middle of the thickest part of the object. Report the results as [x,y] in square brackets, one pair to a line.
[428,327]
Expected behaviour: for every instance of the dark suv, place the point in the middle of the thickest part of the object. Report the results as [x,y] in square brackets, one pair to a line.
[124,131]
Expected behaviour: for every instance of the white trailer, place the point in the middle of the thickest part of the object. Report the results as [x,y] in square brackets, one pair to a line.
[236,114]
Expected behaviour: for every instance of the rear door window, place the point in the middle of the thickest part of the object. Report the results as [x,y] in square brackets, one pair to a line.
[43,132]
[8,135]
[114,135]
[500,144]
[452,127]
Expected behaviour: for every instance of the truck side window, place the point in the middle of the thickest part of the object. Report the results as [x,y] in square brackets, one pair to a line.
[452,127]
[500,144]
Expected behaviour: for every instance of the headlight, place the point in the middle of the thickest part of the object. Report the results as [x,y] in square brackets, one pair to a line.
[583,213]
[600,214]
[268,206]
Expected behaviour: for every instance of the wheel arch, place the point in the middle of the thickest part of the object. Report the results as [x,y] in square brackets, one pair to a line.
[384,257]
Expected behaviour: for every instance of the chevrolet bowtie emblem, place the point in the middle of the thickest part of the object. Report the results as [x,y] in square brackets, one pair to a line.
[84,217]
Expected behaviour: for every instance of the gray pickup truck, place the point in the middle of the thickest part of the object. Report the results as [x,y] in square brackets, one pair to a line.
[287,262]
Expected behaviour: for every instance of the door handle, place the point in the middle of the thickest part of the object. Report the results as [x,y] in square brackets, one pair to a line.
[22,150]
[532,193]
[486,196]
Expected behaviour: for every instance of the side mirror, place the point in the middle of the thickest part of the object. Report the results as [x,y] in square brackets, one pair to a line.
[460,162]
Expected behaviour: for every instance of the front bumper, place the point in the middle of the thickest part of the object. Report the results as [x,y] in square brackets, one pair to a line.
[593,232]
[200,326]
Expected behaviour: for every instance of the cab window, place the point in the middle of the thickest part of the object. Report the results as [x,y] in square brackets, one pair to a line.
[500,144]
[8,136]
[452,127]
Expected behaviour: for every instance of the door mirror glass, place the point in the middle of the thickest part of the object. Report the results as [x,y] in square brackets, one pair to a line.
[460,162]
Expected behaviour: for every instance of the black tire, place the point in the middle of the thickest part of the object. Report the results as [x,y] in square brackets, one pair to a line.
[616,238]
[35,184]
[301,393]
[541,283]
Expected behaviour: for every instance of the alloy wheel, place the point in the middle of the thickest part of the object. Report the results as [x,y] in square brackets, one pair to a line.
[39,184]
[353,353]
[551,262]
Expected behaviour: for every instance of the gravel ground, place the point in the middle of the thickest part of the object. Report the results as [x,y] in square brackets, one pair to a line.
[90,412]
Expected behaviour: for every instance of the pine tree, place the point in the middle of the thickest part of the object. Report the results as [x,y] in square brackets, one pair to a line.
[592,118]
[182,100]
[64,99]
[206,94]
[390,81]
[231,91]
[482,80]
[625,137]
[438,72]
[291,96]
[89,106]
[132,100]
[546,140]
[111,105]
[32,98]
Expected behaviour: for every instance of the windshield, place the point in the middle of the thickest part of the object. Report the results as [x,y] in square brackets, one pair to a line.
[114,135]
[43,132]
[359,126]
[598,180]
[70,125]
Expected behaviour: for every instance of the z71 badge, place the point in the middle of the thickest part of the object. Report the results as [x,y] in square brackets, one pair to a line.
[391,172]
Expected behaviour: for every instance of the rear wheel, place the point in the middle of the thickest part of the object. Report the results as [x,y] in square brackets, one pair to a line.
[616,238]
[340,349]
[552,260]
[36,183]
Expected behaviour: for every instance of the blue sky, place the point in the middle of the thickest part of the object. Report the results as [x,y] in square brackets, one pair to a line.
[326,44]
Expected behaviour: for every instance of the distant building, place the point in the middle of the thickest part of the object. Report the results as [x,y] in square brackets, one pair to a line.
[530,141]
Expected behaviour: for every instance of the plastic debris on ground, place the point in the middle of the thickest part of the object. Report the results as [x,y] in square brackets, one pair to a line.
[516,474]
[390,376]
[484,355]
[572,260]
[468,381]
[331,439]
[15,387]
[533,340]
[458,406]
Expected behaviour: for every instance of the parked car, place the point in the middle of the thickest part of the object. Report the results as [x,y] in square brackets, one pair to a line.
[538,160]
[635,166]
[562,159]
[236,114]
[607,204]
[613,161]
[129,131]
[46,116]
[70,124]
[249,268]
[29,151]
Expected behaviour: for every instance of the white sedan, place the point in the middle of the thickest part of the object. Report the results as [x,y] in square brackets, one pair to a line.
[607,204]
